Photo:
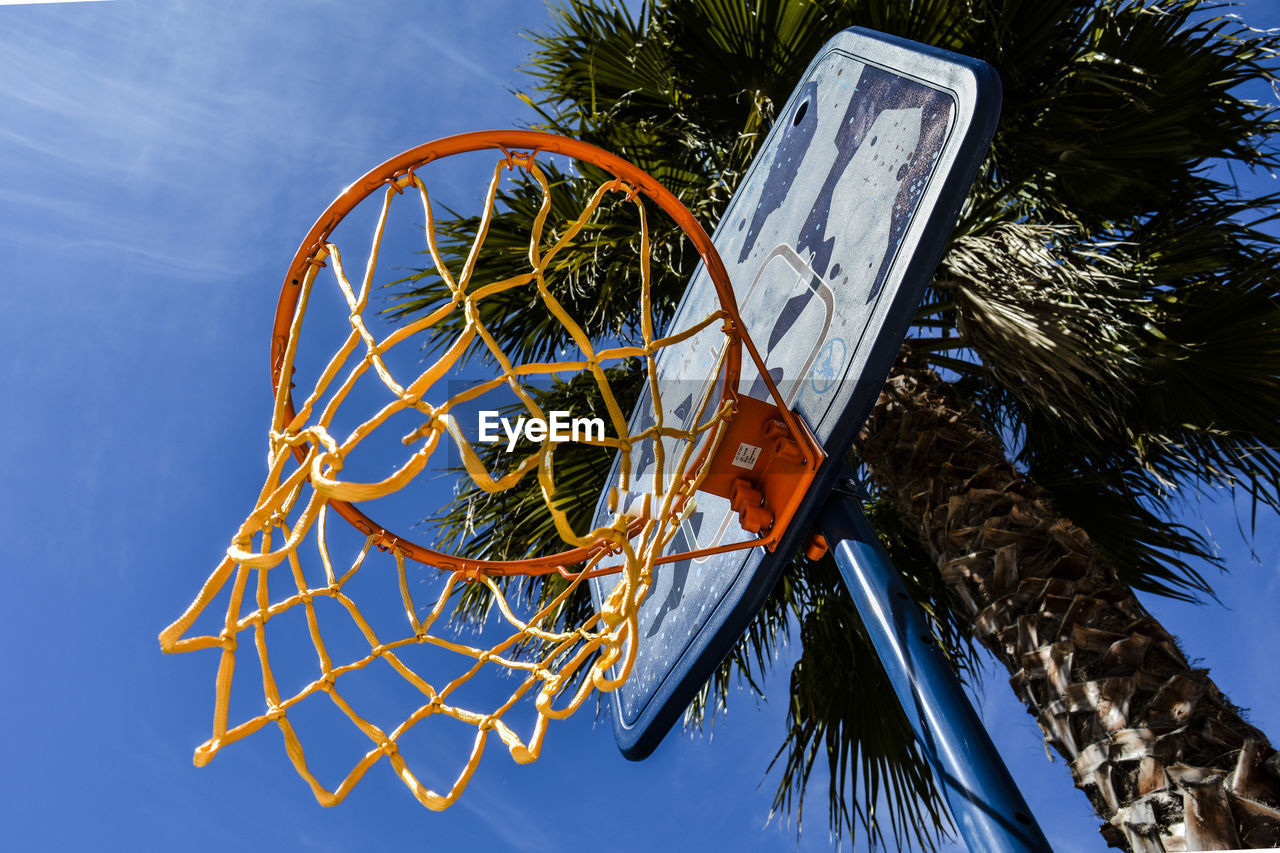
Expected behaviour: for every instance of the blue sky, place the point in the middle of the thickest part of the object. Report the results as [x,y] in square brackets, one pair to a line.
[158,164]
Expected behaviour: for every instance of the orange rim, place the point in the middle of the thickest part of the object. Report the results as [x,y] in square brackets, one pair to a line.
[516,145]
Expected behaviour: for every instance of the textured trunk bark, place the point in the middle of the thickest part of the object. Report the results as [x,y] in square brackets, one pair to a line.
[1165,759]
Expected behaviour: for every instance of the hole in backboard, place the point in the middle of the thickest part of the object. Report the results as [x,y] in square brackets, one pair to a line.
[800,111]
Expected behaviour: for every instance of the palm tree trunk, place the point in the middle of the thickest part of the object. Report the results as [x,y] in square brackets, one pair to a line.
[1165,759]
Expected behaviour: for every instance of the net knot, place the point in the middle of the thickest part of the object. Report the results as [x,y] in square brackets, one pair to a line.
[400,180]
[521,159]
[274,713]
[622,186]
[433,424]
[227,640]
[388,747]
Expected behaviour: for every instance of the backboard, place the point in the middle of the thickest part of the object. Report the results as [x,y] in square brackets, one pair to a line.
[829,241]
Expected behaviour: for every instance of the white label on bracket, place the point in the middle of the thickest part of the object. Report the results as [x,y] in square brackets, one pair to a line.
[746,456]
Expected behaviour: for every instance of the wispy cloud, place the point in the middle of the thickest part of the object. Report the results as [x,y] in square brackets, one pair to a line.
[457,57]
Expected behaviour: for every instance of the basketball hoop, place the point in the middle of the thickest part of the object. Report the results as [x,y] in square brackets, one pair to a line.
[307,458]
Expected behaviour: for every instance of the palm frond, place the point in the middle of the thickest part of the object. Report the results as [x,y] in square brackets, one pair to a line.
[878,781]
[839,709]
[1051,318]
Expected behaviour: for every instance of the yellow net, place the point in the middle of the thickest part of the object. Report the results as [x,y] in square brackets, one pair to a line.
[555,669]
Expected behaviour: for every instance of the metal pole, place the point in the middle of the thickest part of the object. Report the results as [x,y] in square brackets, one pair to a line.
[984,800]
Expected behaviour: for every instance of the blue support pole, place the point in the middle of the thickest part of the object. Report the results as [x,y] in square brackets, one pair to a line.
[985,802]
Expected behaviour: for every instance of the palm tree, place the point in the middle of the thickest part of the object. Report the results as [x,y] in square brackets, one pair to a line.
[1103,330]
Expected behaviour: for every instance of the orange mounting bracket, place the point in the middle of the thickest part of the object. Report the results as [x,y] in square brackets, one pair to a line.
[763,468]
